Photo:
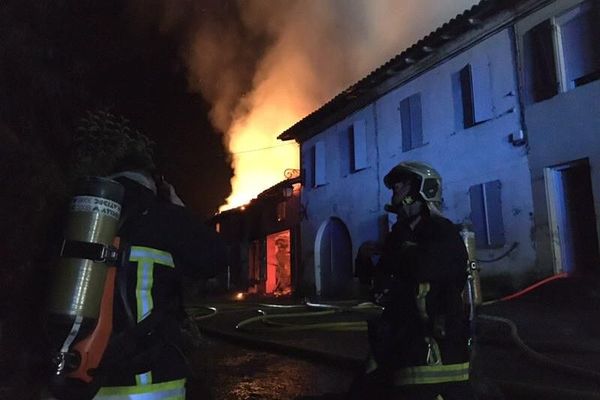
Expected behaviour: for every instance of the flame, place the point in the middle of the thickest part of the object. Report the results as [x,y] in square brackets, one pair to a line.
[259,159]
[308,50]
[303,69]
[282,95]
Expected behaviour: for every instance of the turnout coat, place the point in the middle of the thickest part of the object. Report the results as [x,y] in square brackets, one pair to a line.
[161,243]
[422,335]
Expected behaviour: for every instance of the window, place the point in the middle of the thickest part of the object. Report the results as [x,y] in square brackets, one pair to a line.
[579,34]
[486,214]
[412,123]
[353,148]
[472,93]
[317,164]
[562,53]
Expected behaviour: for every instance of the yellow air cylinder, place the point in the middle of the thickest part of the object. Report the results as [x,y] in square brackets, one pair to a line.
[80,275]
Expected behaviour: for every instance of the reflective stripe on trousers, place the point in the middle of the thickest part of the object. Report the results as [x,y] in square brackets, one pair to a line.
[172,390]
[431,374]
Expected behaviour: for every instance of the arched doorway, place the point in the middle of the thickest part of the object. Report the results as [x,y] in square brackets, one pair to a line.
[333,258]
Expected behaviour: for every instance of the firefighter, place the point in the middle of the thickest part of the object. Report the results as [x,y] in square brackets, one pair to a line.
[161,243]
[419,345]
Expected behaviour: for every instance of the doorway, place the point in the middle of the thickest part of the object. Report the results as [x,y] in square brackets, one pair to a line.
[279,266]
[572,218]
[333,258]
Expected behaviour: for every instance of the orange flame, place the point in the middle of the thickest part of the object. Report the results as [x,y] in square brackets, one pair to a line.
[259,159]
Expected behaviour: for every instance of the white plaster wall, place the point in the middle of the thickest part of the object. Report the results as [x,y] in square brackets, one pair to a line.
[562,129]
[352,197]
[471,156]
[463,157]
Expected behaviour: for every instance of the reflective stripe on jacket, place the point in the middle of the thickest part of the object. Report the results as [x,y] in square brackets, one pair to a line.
[172,390]
[146,257]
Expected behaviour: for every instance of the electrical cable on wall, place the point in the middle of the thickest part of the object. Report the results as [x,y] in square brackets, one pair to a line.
[500,257]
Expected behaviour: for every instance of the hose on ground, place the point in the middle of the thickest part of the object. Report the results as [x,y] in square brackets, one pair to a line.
[538,357]
[198,317]
[329,310]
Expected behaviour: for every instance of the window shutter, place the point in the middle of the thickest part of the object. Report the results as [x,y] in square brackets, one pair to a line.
[311,167]
[406,124]
[493,202]
[359,136]
[459,119]
[540,66]
[320,164]
[466,89]
[581,47]
[416,121]
[478,215]
[482,90]
[345,151]
[486,214]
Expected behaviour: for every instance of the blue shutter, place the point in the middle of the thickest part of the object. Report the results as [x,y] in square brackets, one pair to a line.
[406,124]
[493,202]
[482,91]
[486,214]
[412,122]
[359,131]
[466,91]
[416,120]
[310,163]
[459,119]
[478,215]
[580,44]
[320,164]
[346,151]
[539,64]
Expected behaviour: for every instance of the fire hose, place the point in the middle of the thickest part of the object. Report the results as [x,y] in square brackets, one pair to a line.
[330,309]
[275,321]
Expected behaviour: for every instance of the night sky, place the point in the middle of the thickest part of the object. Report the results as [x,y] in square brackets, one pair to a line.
[61,58]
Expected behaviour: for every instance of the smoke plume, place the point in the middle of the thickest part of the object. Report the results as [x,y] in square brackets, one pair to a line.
[266,64]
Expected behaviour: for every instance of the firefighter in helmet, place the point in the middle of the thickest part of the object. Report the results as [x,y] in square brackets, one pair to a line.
[161,243]
[419,345]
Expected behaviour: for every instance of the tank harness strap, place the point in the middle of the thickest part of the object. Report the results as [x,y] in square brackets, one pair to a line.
[89,250]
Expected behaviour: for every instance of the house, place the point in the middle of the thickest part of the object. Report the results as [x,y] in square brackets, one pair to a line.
[478,100]
[262,238]
[559,59]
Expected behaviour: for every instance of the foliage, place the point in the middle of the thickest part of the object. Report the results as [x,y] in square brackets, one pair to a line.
[105,143]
